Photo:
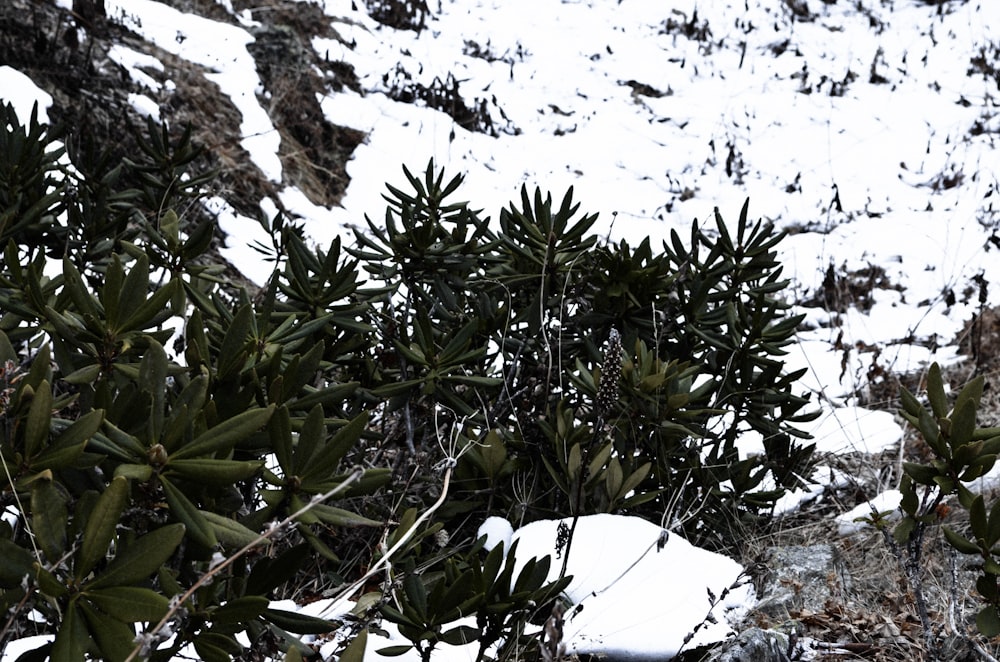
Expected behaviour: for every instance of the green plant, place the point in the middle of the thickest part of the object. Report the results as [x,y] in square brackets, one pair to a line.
[960,453]
[441,369]
[430,602]
[130,468]
[31,193]
[497,335]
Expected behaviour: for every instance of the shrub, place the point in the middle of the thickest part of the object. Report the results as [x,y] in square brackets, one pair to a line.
[959,453]
[176,441]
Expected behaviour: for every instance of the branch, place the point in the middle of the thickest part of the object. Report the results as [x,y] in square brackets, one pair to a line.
[146,639]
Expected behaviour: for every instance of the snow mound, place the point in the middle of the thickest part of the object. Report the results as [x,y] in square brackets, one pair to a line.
[637,590]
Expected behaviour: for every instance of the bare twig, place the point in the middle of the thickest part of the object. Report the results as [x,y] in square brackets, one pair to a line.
[377,567]
[145,639]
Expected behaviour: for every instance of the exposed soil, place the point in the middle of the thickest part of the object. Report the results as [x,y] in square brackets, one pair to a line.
[66,53]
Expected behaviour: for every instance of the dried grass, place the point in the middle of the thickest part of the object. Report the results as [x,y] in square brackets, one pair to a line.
[878,618]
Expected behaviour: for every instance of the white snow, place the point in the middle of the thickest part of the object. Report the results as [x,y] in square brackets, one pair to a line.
[22,93]
[884,504]
[853,130]
[134,62]
[145,106]
[498,531]
[221,49]
[854,429]
[637,591]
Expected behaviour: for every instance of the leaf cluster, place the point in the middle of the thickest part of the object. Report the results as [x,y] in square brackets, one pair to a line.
[960,453]
[131,463]
[156,418]
[432,602]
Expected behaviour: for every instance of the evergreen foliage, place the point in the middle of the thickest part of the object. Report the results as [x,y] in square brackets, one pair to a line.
[195,449]
[959,453]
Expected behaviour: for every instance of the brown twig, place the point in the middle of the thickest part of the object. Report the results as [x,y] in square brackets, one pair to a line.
[145,639]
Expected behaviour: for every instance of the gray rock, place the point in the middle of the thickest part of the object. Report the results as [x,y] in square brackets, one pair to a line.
[800,579]
[753,645]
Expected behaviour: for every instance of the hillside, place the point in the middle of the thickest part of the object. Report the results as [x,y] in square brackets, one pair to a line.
[864,130]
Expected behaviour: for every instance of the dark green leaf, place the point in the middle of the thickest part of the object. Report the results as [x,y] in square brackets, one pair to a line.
[153,310]
[129,604]
[232,352]
[280,433]
[99,530]
[963,422]
[225,435]
[324,462]
[115,639]
[416,594]
[214,472]
[85,375]
[460,635]
[198,528]
[960,543]
[921,474]
[49,518]
[36,431]
[81,430]
[141,558]
[340,517]
[977,518]
[135,287]
[153,381]
[15,563]
[139,472]
[394,651]
[988,622]
[971,393]
[229,532]
[904,529]
[84,301]
[72,638]
[993,533]
[209,652]
[311,436]
[935,392]
[48,583]
[355,651]
[298,623]
[241,610]
[986,584]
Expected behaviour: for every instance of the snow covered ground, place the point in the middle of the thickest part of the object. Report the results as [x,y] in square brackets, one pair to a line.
[865,128]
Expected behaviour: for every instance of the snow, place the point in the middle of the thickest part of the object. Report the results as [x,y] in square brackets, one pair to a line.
[221,49]
[497,531]
[853,130]
[241,234]
[134,62]
[885,503]
[22,93]
[14,649]
[854,429]
[145,106]
[638,591]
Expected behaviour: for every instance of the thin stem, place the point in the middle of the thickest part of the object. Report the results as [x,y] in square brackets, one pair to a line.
[377,567]
[205,578]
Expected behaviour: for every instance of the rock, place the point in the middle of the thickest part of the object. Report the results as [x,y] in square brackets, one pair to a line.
[753,645]
[800,579]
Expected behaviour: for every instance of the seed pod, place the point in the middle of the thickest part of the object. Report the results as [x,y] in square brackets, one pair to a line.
[611,372]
